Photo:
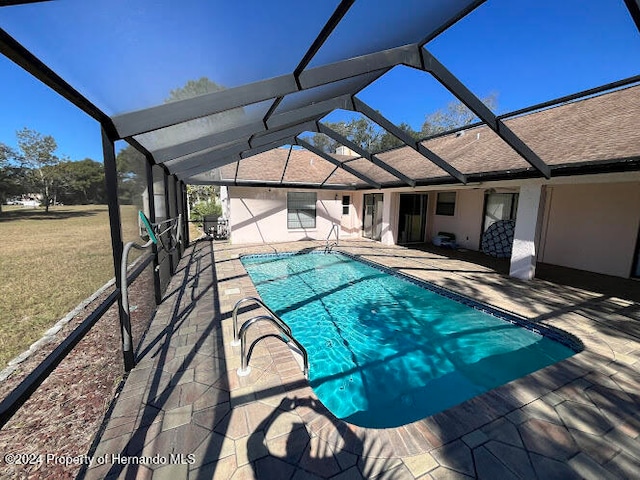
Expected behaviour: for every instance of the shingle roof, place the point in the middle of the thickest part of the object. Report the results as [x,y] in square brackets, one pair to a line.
[597,129]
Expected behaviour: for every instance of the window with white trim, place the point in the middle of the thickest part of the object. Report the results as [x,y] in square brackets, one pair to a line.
[301,210]
[446,204]
[346,201]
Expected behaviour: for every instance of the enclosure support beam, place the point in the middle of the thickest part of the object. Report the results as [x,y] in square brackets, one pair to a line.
[267,146]
[185,216]
[286,163]
[111,183]
[167,201]
[462,93]
[404,137]
[161,116]
[634,9]
[203,147]
[197,159]
[230,155]
[269,137]
[331,24]
[22,57]
[151,214]
[337,163]
[365,154]
[178,202]
[292,119]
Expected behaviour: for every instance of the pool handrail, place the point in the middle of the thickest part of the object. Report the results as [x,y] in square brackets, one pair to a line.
[329,246]
[244,369]
[236,334]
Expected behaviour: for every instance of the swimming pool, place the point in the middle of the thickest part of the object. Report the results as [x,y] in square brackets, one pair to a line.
[386,350]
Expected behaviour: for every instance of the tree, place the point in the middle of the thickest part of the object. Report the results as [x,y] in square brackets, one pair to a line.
[205,125]
[37,154]
[59,180]
[84,182]
[388,141]
[456,114]
[132,175]
[324,143]
[204,209]
[6,153]
[194,88]
[196,128]
[362,132]
[11,175]
[202,193]
[371,137]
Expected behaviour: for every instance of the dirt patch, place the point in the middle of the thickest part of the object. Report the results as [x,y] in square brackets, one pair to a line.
[63,416]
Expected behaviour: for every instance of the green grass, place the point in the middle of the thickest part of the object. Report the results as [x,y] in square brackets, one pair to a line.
[48,264]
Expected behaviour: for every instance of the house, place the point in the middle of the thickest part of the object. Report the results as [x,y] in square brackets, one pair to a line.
[586,216]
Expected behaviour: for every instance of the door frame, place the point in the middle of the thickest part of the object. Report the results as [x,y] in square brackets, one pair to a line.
[373,214]
[424,215]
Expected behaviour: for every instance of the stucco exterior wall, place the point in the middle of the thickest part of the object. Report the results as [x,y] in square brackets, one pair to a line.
[260,215]
[351,224]
[587,226]
[466,223]
[591,227]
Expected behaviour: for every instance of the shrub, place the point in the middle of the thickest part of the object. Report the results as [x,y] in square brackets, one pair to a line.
[202,209]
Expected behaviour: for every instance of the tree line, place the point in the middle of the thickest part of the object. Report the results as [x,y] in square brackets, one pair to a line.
[34,168]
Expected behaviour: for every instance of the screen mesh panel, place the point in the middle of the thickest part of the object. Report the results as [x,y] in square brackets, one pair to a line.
[372,26]
[140,52]
[266,166]
[375,173]
[306,167]
[463,150]
[412,164]
[574,128]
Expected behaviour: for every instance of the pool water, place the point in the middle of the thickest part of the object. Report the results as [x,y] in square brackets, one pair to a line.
[384,351]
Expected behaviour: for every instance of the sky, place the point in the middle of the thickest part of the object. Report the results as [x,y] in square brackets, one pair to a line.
[525,52]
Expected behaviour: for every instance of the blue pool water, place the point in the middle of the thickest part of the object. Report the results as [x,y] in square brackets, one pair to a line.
[384,351]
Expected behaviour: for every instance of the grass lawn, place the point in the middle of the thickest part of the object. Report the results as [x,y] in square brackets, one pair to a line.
[195,232]
[48,264]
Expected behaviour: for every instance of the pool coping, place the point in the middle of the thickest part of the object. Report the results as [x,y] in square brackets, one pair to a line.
[422,436]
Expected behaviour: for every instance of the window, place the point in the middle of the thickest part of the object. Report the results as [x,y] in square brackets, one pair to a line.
[346,200]
[499,206]
[446,204]
[301,210]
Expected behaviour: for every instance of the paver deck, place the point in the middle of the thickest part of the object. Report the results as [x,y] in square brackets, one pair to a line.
[185,413]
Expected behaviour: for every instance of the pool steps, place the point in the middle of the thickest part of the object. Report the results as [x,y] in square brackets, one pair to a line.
[240,336]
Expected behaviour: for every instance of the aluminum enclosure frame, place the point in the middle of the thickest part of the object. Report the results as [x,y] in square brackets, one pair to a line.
[183,160]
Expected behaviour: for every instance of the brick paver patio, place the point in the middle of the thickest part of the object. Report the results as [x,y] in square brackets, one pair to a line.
[185,413]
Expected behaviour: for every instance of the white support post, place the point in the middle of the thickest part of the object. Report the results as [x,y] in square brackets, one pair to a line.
[525,242]
[387,225]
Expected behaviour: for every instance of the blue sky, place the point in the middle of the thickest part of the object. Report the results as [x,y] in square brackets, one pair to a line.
[524,51]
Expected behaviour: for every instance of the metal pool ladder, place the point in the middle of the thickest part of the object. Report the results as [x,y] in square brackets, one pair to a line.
[329,246]
[240,336]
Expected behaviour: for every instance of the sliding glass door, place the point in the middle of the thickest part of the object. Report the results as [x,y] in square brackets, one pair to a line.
[372,216]
[412,218]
